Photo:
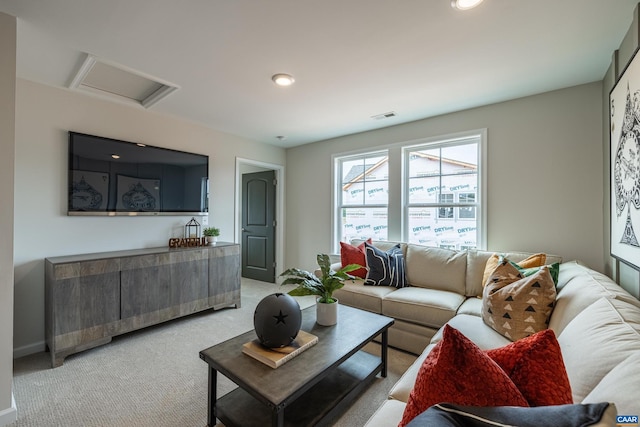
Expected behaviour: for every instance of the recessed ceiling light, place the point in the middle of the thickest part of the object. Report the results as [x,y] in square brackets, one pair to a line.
[465,4]
[283,79]
[115,156]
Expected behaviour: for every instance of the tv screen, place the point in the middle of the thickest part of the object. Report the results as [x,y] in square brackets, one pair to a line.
[112,177]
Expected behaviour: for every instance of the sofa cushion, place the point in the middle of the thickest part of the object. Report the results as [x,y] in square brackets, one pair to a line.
[350,254]
[428,307]
[474,328]
[402,388]
[385,268]
[477,260]
[356,294]
[471,305]
[597,340]
[388,414]
[436,268]
[517,306]
[535,260]
[578,287]
[457,371]
[410,336]
[620,386]
[535,366]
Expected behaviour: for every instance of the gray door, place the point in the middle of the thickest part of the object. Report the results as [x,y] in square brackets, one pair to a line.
[258,226]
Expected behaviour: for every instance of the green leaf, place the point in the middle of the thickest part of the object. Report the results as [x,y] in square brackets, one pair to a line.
[301,292]
[309,284]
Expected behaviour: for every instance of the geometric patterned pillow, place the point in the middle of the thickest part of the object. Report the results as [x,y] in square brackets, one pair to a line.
[517,306]
[536,367]
[535,260]
[385,268]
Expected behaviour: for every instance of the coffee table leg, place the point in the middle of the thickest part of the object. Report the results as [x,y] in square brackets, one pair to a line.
[383,355]
[277,417]
[213,386]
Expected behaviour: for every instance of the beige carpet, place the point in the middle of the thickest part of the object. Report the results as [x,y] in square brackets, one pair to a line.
[154,377]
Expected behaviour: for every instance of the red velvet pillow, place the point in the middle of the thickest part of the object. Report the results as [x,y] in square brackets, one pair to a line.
[457,371]
[350,254]
[536,367]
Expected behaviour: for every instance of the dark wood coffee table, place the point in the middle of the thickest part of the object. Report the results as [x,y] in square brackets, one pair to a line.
[310,389]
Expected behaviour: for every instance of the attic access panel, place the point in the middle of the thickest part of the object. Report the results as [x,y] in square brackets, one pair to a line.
[105,78]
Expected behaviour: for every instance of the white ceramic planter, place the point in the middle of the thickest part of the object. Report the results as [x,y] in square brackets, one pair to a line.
[326,314]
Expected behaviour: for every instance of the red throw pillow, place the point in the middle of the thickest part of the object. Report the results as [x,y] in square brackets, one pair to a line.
[457,371]
[536,367]
[350,254]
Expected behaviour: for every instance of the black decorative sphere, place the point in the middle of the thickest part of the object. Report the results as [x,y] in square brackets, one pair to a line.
[277,320]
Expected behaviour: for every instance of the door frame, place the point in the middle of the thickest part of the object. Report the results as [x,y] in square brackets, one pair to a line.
[279,234]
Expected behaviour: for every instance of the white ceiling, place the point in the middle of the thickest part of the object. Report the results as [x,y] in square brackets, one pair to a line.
[352,59]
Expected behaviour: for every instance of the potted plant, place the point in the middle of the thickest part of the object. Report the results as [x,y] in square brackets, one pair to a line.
[211,233]
[323,287]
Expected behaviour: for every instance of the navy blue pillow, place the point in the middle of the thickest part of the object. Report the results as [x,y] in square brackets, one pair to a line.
[385,268]
[450,415]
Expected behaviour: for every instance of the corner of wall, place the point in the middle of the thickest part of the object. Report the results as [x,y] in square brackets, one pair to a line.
[9,415]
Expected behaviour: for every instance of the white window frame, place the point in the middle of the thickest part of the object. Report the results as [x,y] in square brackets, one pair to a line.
[397,210]
[337,163]
[479,137]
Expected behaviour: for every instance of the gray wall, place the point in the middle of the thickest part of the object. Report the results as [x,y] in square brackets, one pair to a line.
[44,115]
[8,36]
[545,187]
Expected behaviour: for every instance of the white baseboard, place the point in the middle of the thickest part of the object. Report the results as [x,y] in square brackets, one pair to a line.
[9,415]
[29,349]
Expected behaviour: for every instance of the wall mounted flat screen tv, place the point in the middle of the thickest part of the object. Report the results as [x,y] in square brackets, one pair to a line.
[112,177]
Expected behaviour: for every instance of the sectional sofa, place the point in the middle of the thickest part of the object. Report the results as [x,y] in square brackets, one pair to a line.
[596,322]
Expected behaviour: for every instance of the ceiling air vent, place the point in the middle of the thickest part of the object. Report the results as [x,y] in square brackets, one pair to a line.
[116,81]
[384,115]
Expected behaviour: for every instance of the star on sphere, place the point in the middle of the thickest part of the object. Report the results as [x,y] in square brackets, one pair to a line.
[280,318]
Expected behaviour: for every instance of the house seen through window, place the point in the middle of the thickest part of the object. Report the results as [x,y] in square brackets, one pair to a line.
[440,203]
[364,196]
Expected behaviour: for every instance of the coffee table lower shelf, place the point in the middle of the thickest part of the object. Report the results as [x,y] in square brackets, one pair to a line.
[318,406]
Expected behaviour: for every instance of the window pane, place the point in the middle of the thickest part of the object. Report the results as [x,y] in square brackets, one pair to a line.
[467,212]
[446,211]
[460,159]
[362,223]
[364,168]
[377,168]
[425,228]
[424,163]
[460,183]
[424,190]
[353,194]
[352,171]
[376,193]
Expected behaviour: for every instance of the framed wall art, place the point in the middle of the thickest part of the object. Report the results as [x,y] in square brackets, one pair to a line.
[624,110]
